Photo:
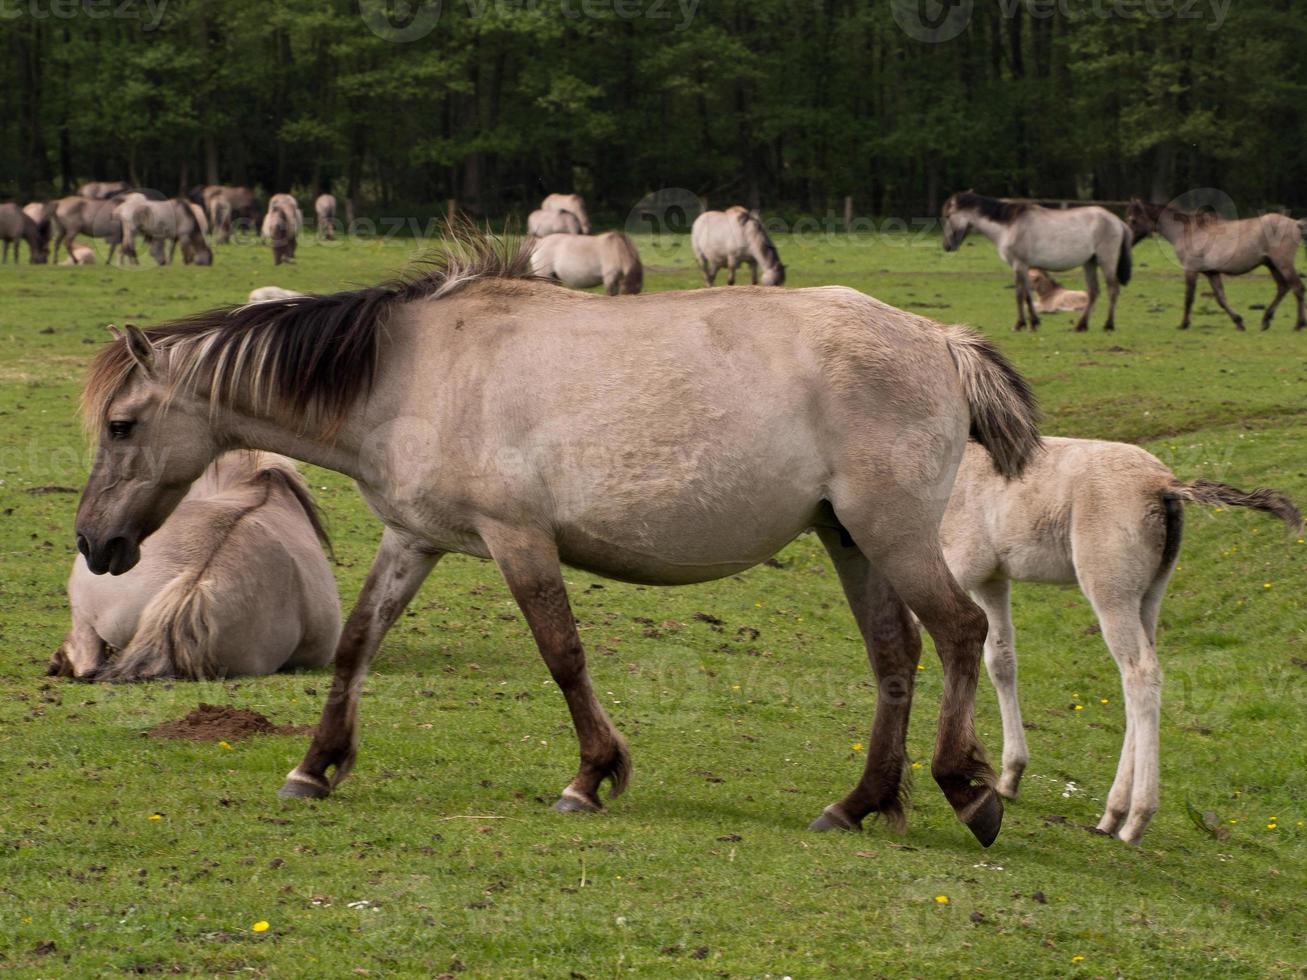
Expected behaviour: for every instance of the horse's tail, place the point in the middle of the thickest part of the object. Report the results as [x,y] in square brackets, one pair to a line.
[632,269]
[1302,230]
[174,637]
[1222,494]
[1004,416]
[1124,262]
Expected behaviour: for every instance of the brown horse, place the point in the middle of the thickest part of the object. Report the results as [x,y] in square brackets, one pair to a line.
[669,438]
[1207,244]
[17,226]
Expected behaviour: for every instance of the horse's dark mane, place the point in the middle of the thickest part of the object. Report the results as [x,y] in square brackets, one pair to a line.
[994,208]
[315,355]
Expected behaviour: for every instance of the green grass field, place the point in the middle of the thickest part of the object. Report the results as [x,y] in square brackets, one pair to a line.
[440,854]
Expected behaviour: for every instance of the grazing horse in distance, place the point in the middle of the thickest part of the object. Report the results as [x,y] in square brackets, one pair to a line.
[324,207]
[17,226]
[1105,516]
[281,226]
[1051,297]
[224,204]
[731,237]
[1210,245]
[41,212]
[161,222]
[573,204]
[84,215]
[1029,235]
[582,261]
[103,190]
[541,223]
[731,421]
[234,582]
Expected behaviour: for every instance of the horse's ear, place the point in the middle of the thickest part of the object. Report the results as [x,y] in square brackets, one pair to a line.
[140,348]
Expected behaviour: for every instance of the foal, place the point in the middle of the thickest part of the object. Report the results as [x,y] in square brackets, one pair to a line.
[1107,516]
[1208,244]
[1028,235]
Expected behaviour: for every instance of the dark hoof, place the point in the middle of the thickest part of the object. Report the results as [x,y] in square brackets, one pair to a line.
[1082,328]
[1266,325]
[985,818]
[1183,326]
[1110,327]
[1238,325]
[573,802]
[301,787]
[833,818]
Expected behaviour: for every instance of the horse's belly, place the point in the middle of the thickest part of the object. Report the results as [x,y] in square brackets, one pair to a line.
[579,274]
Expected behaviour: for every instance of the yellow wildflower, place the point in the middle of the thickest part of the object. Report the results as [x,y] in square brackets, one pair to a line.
[1077,958]
[857,746]
[156,816]
[260,926]
[941,899]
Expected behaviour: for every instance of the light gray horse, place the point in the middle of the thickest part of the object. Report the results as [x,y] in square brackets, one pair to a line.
[160,223]
[234,582]
[733,237]
[573,204]
[17,226]
[1207,244]
[1029,235]
[582,261]
[324,206]
[103,190]
[541,223]
[1105,516]
[281,226]
[74,216]
[670,438]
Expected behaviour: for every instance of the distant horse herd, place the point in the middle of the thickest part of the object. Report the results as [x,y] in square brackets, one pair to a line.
[736,420]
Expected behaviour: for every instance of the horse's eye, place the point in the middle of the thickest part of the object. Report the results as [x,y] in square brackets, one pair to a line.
[120,429]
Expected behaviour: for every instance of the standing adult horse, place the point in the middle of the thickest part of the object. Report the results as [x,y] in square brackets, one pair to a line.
[730,238]
[571,203]
[77,215]
[582,261]
[468,405]
[103,190]
[17,226]
[161,222]
[540,223]
[1029,235]
[324,207]
[1210,245]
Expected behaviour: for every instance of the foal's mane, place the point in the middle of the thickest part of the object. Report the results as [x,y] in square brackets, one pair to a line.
[994,208]
[315,355]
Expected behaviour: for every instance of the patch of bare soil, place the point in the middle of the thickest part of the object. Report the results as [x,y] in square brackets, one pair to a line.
[212,723]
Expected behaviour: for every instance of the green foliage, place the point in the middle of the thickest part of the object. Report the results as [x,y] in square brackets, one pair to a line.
[788,105]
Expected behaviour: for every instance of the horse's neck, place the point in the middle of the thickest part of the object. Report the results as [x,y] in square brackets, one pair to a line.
[995,231]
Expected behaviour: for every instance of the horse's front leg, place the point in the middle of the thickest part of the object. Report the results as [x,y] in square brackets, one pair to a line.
[1190,286]
[1281,289]
[401,566]
[753,269]
[528,560]
[1091,288]
[1021,279]
[731,266]
[1218,290]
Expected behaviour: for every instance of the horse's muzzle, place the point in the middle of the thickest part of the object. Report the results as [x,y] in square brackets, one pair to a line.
[115,556]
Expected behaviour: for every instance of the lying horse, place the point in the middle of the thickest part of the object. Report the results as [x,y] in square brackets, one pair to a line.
[1108,517]
[582,261]
[1210,245]
[735,419]
[324,207]
[573,204]
[730,238]
[1028,235]
[542,223]
[17,226]
[1051,297]
[263,294]
[160,222]
[234,582]
[79,254]
[83,215]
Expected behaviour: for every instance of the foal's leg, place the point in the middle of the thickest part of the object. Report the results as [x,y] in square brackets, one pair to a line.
[1091,287]
[401,565]
[1219,291]
[528,561]
[995,599]
[1190,285]
[894,648]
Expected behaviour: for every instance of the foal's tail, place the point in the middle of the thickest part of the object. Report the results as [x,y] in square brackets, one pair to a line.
[1124,261]
[1263,499]
[174,637]
[1004,416]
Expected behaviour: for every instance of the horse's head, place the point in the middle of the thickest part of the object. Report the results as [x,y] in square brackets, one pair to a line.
[1141,218]
[773,275]
[151,448]
[957,222]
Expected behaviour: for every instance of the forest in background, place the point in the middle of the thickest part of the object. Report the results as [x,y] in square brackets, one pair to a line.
[784,105]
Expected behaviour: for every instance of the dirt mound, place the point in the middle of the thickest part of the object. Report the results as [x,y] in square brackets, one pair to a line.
[212,722]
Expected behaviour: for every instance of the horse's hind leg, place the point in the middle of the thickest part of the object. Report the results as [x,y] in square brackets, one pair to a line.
[1024,300]
[1091,287]
[530,566]
[709,271]
[1190,286]
[1218,290]
[894,647]
[399,569]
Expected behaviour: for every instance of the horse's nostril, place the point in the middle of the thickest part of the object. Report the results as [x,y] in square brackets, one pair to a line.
[83,546]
